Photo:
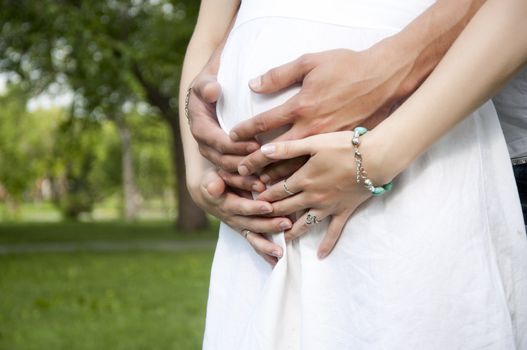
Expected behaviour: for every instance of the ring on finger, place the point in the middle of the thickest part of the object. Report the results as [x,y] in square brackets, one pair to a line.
[245,233]
[286,189]
[311,219]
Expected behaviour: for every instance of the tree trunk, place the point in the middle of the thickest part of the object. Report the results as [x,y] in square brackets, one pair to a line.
[130,192]
[190,216]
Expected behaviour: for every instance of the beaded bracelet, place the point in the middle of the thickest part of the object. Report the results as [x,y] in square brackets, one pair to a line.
[362,175]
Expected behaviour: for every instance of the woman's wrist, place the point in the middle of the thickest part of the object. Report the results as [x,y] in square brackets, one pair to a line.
[379,159]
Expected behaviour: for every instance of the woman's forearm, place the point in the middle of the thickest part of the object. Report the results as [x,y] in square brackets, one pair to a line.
[488,53]
[214,22]
[195,58]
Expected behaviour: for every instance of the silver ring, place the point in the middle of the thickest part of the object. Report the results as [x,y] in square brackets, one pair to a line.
[311,219]
[245,233]
[286,189]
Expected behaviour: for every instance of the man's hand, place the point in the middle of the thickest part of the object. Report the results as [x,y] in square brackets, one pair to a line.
[340,89]
[214,143]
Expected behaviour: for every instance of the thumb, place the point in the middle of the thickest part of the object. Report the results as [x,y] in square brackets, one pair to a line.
[283,76]
[207,88]
[213,184]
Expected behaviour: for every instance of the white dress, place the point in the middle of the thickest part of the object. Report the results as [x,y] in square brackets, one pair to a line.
[438,263]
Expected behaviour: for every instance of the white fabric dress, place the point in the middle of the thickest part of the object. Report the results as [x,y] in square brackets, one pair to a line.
[439,263]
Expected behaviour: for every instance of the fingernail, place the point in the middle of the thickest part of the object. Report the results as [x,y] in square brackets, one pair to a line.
[266,210]
[251,147]
[265,178]
[268,149]
[243,171]
[234,136]
[322,255]
[257,188]
[276,253]
[256,83]
[284,225]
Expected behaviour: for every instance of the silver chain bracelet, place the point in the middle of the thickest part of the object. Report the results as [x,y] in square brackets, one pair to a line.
[362,175]
[187,100]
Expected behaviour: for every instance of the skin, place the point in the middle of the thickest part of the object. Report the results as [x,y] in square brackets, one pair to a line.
[376,80]
[343,88]
[224,196]
[462,78]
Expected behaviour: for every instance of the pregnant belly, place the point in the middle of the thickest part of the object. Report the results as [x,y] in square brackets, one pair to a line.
[256,46]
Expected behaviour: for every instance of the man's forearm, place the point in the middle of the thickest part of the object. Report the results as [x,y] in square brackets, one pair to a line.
[422,44]
[462,78]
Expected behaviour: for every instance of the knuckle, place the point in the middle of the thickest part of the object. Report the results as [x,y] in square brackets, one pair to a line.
[305,61]
[285,149]
[274,76]
[224,162]
[267,249]
[204,151]
[245,210]
[260,123]
[250,162]
[198,132]
[305,183]
[305,105]
[278,209]
[220,147]
[266,227]
[317,198]
[195,131]
[228,220]
[224,211]
[322,197]
[316,126]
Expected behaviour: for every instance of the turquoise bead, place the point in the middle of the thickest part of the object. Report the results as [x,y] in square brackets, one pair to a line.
[361,130]
[378,191]
[388,186]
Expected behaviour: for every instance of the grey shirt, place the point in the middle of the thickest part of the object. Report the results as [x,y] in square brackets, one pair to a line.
[511,105]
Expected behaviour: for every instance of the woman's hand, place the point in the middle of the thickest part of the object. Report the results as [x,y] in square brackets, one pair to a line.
[241,213]
[326,185]
[214,144]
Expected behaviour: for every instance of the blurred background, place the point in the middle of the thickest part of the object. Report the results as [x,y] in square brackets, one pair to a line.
[101,246]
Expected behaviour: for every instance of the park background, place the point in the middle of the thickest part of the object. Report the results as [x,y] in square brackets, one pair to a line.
[101,246]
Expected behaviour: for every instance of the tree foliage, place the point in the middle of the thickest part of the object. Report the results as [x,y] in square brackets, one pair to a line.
[109,54]
[25,144]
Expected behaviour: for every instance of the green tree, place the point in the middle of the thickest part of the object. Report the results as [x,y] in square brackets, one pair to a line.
[108,53]
[25,145]
[80,154]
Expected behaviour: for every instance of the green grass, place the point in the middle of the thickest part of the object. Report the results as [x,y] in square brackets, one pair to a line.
[148,300]
[112,230]
[102,300]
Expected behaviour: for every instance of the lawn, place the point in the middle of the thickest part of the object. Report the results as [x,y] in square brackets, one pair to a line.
[95,231]
[102,300]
